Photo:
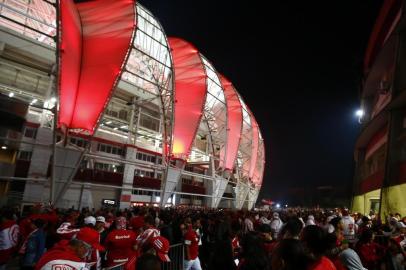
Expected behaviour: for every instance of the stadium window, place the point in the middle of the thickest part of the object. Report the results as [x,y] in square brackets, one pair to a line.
[149,122]
[79,142]
[24,155]
[30,132]
[110,149]
[122,114]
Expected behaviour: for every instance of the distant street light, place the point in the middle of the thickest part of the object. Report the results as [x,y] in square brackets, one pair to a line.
[359,113]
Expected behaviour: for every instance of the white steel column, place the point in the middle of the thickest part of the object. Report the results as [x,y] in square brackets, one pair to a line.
[241,193]
[128,179]
[252,197]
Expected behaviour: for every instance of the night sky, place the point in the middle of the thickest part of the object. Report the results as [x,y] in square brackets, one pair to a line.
[298,66]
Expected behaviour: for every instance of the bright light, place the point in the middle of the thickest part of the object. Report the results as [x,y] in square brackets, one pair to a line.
[115,128]
[11,94]
[286,205]
[278,205]
[359,113]
[108,122]
[53,99]
[158,199]
[125,126]
[4,147]
[34,101]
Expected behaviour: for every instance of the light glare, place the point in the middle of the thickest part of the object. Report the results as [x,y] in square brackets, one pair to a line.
[359,113]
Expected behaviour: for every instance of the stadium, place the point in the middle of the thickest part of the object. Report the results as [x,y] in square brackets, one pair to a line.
[171,131]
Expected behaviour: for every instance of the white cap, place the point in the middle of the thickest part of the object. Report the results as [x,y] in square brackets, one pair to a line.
[90,220]
[101,219]
[401,225]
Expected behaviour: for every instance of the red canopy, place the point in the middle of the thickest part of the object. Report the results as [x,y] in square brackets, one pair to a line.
[234,125]
[95,39]
[189,94]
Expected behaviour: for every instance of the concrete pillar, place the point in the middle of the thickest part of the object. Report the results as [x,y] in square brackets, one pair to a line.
[241,193]
[128,179]
[252,197]
[171,181]
[34,192]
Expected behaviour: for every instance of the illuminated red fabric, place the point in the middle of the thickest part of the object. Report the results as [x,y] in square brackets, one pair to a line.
[234,125]
[255,144]
[95,39]
[189,94]
[388,17]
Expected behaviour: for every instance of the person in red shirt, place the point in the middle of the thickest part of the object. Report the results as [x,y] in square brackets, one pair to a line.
[120,244]
[67,229]
[314,239]
[370,252]
[65,255]
[149,232]
[192,261]
[158,246]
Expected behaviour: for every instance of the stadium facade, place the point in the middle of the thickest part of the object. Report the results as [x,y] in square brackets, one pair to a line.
[380,177]
[175,131]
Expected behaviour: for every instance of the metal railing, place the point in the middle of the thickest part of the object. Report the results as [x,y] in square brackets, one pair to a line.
[176,254]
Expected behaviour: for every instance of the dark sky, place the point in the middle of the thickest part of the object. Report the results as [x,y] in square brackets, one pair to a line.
[298,65]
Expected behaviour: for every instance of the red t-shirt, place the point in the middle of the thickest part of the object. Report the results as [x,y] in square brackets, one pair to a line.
[370,254]
[323,264]
[61,256]
[192,242]
[119,245]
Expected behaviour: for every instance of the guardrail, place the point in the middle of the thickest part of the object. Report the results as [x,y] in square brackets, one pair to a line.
[176,254]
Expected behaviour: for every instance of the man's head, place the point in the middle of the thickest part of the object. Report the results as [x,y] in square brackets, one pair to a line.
[81,248]
[90,237]
[121,223]
[90,221]
[38,223]
[292,228]
[148,221]
[266,231]
[159,246]
[196,223]
[100,222]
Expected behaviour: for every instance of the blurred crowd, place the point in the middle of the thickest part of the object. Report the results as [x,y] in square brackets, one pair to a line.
[142,238]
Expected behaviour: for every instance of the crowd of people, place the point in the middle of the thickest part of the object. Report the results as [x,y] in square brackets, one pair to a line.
[141,238]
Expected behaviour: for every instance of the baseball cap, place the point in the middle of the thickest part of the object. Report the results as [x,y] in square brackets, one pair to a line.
[91,237]
[101,219]
[90,220]
[161,246]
